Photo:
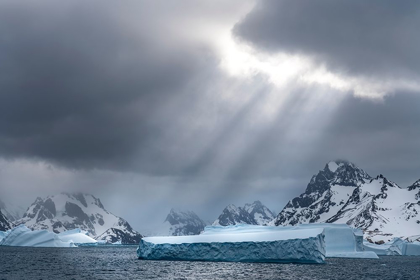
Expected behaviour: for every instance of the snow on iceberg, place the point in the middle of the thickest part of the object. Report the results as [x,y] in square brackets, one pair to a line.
[2,235]
[297,246]
[341,241]
[23,236]
[78,237]
[395,247]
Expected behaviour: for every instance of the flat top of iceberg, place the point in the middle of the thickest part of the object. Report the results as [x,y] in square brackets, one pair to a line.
[245,228]
[257,236]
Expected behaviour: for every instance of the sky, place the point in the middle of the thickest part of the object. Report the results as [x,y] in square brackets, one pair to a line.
[150,105]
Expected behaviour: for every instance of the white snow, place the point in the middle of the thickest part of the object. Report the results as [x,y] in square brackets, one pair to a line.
[395,212]
[23,236]
[339,196]
[396,247]
[332,166]
[78,237]
[341,241]
[100,219]
[251,245]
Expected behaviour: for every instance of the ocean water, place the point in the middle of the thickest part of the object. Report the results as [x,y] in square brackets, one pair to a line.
[121,262]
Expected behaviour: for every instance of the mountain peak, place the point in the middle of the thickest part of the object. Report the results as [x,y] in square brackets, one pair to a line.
[65,211]
[254,213]
[325,193]
[4,222]
[415,185]
[385,182]
[333,165]
[184,222]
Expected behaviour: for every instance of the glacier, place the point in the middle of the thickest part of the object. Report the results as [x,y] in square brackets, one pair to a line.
[395,247]
[25,237]
[286,246]
[341,241]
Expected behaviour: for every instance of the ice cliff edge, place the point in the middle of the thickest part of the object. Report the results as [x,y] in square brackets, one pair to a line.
[296,246]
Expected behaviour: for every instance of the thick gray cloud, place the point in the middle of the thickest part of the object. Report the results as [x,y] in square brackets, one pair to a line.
[376,39]
[130,103]
[82,88]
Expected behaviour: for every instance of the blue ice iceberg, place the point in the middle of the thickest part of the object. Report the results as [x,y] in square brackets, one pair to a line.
[341,241]
[23,236]
[261,245]
[396,247]
[2,235]
[78,237]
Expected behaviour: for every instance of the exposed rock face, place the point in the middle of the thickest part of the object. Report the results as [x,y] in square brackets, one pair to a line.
[4,222]
[184,223]
[325,194]
[383,210]
[344,193]
[253,214]
[65,211]
[12,212]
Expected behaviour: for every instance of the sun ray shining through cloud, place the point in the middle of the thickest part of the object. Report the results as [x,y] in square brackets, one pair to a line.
[158,104]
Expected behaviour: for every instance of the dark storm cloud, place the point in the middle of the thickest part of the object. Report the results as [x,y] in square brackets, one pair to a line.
[381,138]
[363,38]
[124,97]
[81,87]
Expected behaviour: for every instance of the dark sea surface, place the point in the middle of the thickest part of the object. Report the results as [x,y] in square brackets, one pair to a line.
[120,262]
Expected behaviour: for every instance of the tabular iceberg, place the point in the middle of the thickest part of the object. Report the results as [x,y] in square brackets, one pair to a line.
[298,246]
[341,241]
[396,247]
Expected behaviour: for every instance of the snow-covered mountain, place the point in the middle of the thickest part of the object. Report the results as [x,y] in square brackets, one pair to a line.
[183,223]
[12,212]
[382,209]
[4,222]
[254,214]
[65,211]
[325,194]
[344,193]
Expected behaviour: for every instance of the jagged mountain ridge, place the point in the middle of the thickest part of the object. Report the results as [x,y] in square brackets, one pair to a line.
[254,214]
[65,211]
[12,212]
[382,209]
[325,194]
[184,223]
[344,193]
[4,222]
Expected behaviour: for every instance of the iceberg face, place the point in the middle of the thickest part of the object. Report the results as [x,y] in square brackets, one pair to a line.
[299,246]
[78,237]
[341,241]
[396,247]
[2,235]
[23,236]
